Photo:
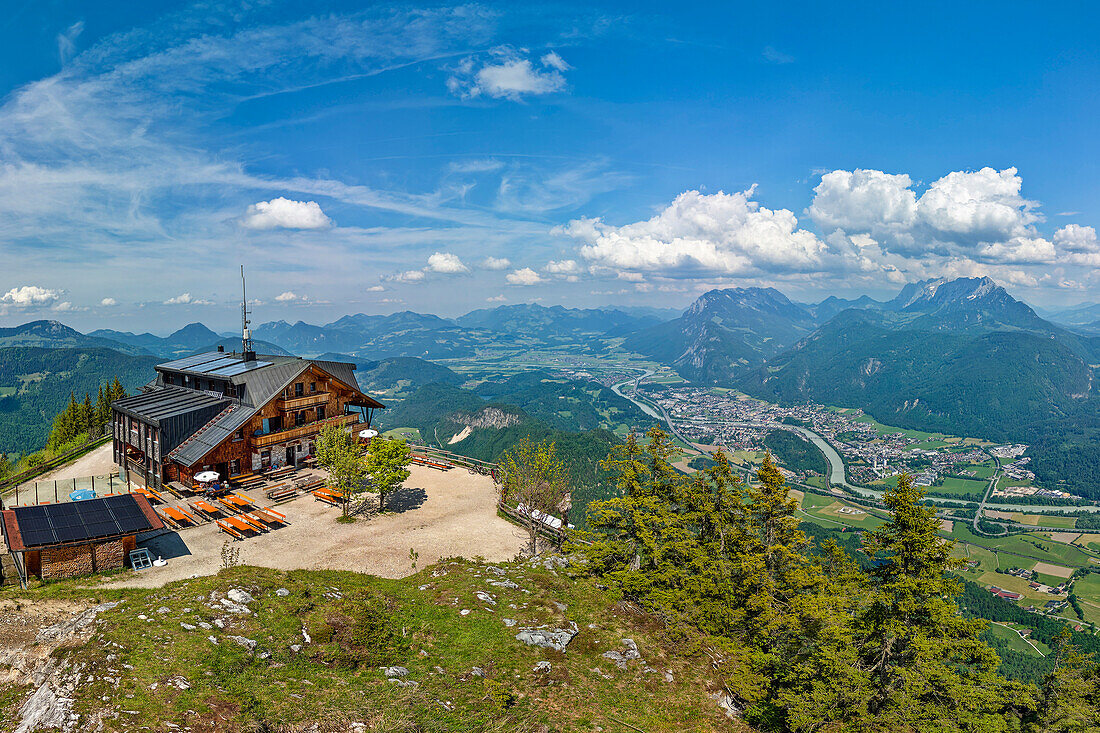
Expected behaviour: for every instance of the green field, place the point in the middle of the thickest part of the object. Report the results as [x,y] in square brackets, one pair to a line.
[1017,643]
[1018,548]
[830,512]
[1045,520]
[1087,590]
[958,487]
[411,434]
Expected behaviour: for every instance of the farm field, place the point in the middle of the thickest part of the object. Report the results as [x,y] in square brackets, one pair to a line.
[411,434]
[1012,638]
[1016,585]
[1047,520]
[831,512]
[1021,547]
[958,487]
[1087,590]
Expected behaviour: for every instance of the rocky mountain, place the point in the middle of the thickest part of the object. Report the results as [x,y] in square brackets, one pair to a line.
[192,338]
[960,356]
[373,336]
[725,333]
[832,305]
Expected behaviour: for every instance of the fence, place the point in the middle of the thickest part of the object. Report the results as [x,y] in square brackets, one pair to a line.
[439,455]
[57,491]
[13,481]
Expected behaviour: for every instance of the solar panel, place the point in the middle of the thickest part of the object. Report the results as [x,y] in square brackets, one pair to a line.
[82,520]
[191,361]
[241,368]
[211,366]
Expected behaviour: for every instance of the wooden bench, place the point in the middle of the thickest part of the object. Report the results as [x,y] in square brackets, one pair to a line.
[229,530]
[269,514]
[176,516]
[239,525]
[328,497]
[205,508]
[424,461]
[287,492]
[275,489]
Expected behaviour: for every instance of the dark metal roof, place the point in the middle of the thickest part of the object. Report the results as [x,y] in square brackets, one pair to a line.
[192,450]
[166,402]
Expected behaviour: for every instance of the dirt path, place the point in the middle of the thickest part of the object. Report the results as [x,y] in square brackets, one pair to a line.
[438,514]
[98,462]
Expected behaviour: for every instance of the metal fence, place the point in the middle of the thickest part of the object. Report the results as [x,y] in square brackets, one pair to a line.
[56,491]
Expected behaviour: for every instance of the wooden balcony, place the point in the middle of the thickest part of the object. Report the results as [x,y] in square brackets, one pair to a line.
[299,403]
[262,441]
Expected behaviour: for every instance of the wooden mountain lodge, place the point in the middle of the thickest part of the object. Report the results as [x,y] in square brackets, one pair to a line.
[234,414]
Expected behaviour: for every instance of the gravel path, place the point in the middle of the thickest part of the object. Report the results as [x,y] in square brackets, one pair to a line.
[98,462]
[440,514]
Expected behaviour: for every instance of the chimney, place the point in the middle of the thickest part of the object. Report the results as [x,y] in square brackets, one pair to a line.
[221,349]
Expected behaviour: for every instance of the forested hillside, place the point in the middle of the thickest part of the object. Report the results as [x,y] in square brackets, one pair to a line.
[35,384]
[461,421]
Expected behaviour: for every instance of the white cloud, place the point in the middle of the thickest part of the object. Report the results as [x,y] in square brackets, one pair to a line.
[186,299]
[375,289]
[496,299]
[563,267]
[554,61]
[525,276]
[965,214]
[30,295]
[66,41]
[108,302]
[446,263]
[508,75]
[863,200]
[288,297]
[719,234]
[408,276]
[282,213]
[496,263]
[1078,244]
[476,165]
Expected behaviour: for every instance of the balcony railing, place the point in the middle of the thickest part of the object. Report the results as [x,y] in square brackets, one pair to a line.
[262,441]
[297,403]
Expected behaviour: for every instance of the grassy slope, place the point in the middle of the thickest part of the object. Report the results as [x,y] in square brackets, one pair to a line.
[336,679]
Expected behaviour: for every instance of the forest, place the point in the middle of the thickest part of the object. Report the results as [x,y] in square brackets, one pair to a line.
[807,633]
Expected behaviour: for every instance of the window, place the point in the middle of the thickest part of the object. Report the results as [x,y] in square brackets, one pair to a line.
[321,412]
[235,467]
[239,435]
[312,386]
[299,389]
[300,418]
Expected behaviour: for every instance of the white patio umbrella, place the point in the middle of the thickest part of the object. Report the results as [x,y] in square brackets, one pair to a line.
[206,477]
[368,434]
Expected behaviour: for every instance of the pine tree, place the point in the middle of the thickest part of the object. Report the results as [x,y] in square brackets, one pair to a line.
[925,661]
[1069,695]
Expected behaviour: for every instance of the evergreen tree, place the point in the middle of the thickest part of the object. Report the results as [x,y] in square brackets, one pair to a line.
[1069,695]
[925,661]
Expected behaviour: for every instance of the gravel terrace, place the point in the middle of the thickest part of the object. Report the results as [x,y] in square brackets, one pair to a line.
[438,513]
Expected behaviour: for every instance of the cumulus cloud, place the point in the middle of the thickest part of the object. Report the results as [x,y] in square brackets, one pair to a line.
[699,234]
[30,295]
[409,276]
[375,289]
[288,297]
[496,299]
[979,214]
[524,276]
[567,269]
[496,263]
[108,302]
[282,213]
[446,263]
[1079,245]
[186,299]
[507,74]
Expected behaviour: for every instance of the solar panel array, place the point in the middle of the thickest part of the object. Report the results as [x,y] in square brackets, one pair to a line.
[215,363]
[78,521]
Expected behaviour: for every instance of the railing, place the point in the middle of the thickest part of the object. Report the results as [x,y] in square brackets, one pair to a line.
[262,441]
[297,403]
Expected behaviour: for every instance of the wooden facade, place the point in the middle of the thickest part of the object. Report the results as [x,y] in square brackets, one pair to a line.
[281,430]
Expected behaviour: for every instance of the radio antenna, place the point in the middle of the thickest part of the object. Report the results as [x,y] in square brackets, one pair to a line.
[246,334]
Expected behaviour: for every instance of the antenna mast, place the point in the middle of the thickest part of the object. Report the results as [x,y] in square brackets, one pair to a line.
[246,335]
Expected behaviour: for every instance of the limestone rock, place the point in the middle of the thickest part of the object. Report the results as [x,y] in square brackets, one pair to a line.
[548,637]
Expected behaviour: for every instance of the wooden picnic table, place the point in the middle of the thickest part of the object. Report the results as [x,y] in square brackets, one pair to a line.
[239,524]
[178,515]
[206,507]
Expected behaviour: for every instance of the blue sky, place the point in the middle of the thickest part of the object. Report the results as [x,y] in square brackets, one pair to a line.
[371,158]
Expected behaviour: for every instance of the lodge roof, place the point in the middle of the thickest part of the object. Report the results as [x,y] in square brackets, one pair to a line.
[166,402]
